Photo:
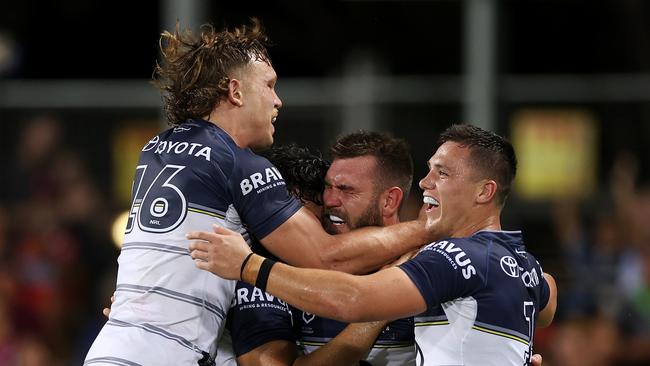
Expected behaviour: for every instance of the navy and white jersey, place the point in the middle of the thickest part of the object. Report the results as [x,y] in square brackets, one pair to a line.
[258,318]
[483,295]
[395,345]
[167,311]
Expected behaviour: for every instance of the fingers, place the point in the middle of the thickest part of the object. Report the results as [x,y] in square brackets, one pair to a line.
[198,245]
[202,265]
[222,230]
[106,312]
[536,360]
[199,255]
[200,235]
[202,238]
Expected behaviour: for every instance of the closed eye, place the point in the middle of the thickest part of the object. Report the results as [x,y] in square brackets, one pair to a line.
[344,188]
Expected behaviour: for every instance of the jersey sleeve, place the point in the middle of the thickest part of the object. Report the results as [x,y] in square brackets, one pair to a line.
[258,318]
[260,194]
[439,276]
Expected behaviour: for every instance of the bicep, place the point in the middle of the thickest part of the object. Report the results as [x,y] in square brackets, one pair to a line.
[546,315]
[274,353]
[299,241]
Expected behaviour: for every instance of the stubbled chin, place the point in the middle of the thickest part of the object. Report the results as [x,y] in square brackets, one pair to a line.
[334,229]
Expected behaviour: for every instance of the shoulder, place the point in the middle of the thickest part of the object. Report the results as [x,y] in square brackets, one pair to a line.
[459,248]
[193,141]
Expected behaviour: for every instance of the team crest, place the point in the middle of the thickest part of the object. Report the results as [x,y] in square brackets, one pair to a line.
[307,318]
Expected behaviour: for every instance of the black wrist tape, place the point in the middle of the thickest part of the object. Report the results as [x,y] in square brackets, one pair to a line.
[263,274]
[243,264]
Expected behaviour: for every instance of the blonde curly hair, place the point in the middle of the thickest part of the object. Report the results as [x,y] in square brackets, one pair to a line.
[194,72]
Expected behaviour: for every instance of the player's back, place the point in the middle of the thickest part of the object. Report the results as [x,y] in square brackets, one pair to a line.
[166,310]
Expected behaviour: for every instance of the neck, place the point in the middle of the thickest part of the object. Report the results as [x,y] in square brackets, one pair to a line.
[490,222]
[225,118]
[392,220]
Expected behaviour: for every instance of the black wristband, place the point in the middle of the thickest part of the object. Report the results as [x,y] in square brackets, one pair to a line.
[243,264]
[263,274]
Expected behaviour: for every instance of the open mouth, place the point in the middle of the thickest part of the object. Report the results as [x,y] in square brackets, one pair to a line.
[430,202]
[336,220]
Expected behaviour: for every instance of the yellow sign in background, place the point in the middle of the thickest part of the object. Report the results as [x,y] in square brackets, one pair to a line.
[556,150]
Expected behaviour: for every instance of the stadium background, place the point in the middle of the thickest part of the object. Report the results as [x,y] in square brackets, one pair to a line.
[567,81]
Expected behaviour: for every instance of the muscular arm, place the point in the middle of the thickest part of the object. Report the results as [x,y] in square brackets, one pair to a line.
[546,315]
[347,348]
[342,296]
[302,242]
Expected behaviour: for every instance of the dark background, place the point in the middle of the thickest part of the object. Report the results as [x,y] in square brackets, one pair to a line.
[68,40]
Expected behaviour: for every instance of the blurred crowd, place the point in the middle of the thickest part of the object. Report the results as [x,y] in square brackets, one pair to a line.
[603,315]
[57,261]
[56,258]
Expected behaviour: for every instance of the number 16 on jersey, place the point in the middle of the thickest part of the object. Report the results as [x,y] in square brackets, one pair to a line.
[158,205]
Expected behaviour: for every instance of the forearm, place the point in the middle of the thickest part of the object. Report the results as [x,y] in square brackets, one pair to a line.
[368,249]
[302,242]
[347,348]
[273,353]
[335,296]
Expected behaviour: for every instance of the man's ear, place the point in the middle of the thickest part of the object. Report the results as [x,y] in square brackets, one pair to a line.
[390,201]
[486,191]
[235,92]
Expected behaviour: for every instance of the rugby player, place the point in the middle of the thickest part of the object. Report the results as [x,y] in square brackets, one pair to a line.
[219,95]
[477,295]
[369,179]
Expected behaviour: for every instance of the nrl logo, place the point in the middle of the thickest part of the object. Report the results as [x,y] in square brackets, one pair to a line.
[181,129]
[307,318]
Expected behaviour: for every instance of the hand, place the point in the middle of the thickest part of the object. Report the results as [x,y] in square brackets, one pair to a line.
[107,311]
[536,360]
[221,252]
[433,224]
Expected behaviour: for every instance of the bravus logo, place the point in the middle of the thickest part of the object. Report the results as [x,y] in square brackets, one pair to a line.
[460,257]
[260,180]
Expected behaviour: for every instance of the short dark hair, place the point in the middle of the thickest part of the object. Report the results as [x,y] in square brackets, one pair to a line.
[491,155]
[392,154]
[303,171]
[194,72]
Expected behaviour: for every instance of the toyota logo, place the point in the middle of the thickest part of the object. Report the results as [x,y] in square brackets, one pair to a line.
[509,266]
